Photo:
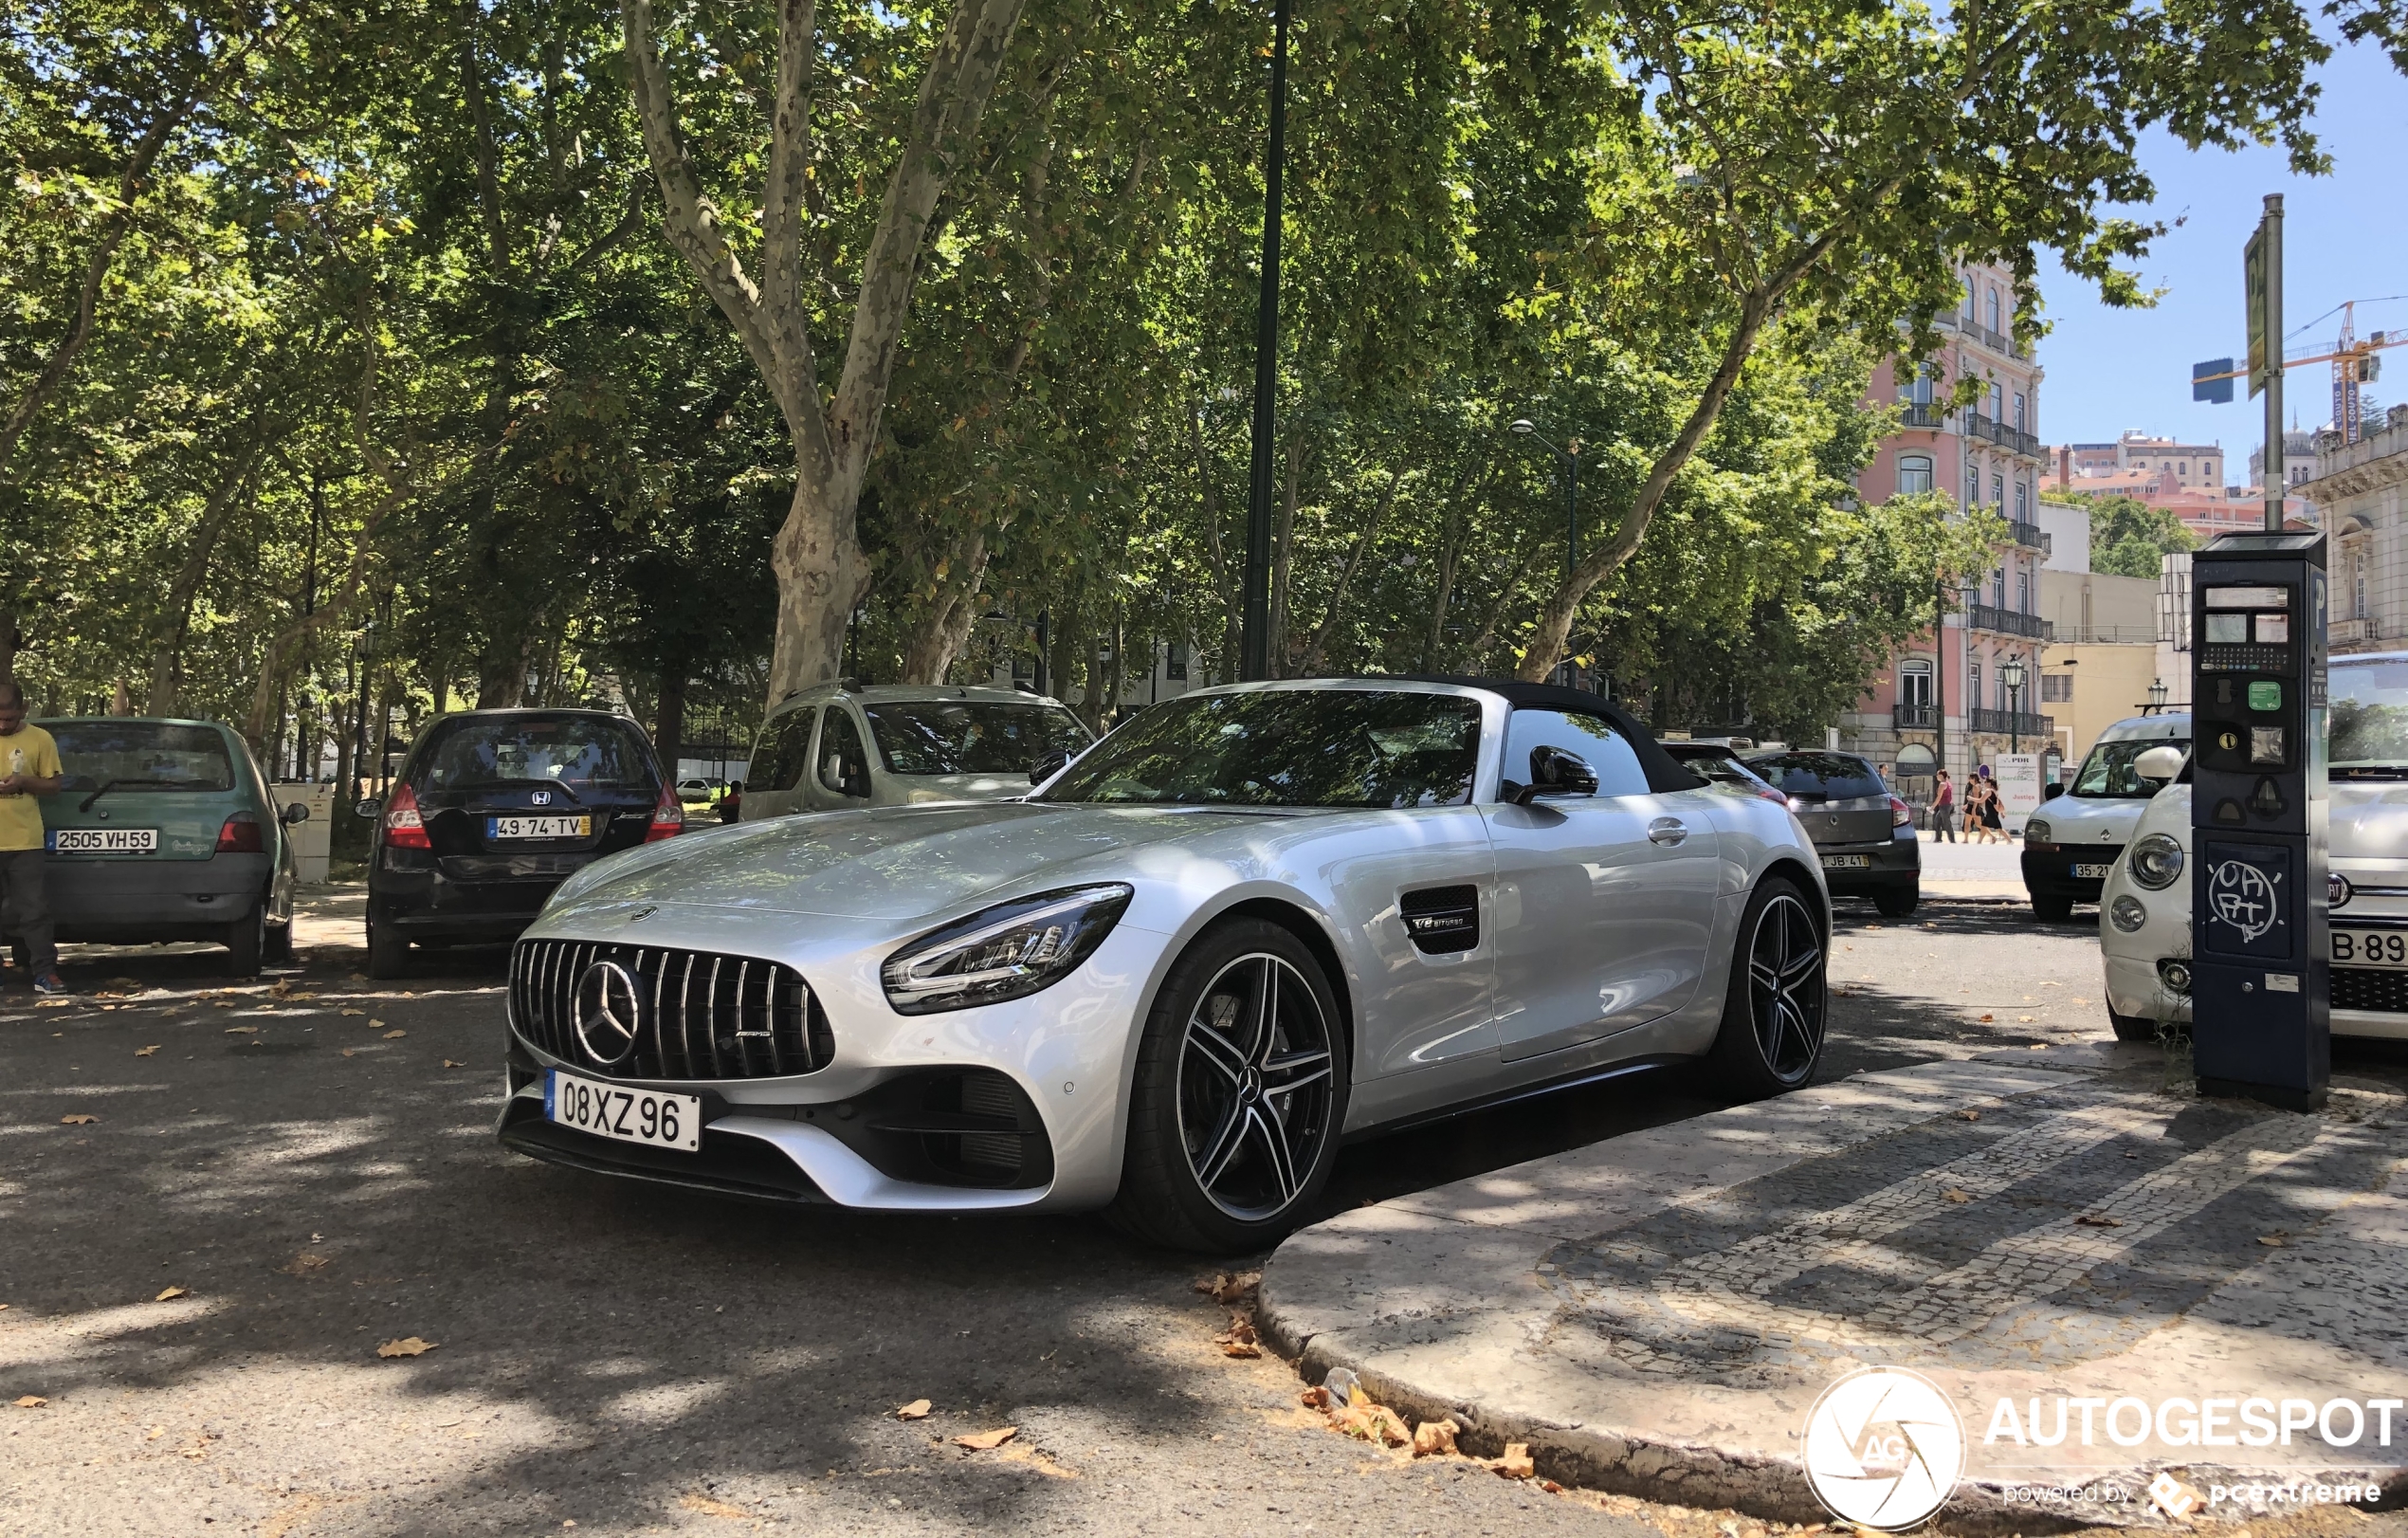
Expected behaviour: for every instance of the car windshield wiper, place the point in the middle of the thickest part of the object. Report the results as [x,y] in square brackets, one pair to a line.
[86,805]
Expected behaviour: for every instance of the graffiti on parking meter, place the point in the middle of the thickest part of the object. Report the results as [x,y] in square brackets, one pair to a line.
[2244,899]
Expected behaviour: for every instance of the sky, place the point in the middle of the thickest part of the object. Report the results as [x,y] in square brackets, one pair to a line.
[2345,236]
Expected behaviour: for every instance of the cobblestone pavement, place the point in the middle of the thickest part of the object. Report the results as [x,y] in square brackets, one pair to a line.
[306,1185]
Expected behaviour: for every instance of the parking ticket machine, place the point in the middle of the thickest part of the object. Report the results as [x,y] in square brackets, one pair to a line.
[2260,977]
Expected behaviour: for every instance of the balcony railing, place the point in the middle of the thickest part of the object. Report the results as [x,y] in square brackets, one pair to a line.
[1911,415]
[2350,629]
[2013,724]
[1983,616]
[1910,716]
[2014,440]
[2031,536]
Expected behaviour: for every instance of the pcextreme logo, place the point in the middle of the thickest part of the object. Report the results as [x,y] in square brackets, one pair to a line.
[1884,1448]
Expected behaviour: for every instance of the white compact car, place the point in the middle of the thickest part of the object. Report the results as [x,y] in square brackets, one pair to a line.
[845,746]
[2144,925]
[2072,840]
[1251,921]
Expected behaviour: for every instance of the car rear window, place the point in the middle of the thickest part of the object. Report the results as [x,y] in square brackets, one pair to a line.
[1819,776]
[142,755]
[971,736]
[582,752]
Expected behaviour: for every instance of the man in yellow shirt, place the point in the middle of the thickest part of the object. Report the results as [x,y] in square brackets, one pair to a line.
[28,767]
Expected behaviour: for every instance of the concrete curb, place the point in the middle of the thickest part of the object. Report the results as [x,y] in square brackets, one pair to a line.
[1440,1302]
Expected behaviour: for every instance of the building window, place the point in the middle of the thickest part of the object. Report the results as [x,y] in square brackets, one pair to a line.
[2057,688]
[1973,486]
[2018,411]
[2183,469]
[1973,685]
[1997,491]
[1994,309]
[1914,473]
[2022,590]
[2022,503]
[1914,684]
[1996,396]
[1999,588]
[1918,390]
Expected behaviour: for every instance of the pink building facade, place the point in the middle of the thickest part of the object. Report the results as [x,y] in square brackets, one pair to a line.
[1944,700]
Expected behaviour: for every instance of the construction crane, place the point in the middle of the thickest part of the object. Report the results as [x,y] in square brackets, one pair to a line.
[2355,362]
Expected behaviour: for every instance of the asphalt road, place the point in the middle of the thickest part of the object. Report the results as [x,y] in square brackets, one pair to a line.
[316,1176]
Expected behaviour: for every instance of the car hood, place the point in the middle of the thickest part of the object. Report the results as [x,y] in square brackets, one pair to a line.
[887,863]
[2087,819]
[2368,819]
[918,788]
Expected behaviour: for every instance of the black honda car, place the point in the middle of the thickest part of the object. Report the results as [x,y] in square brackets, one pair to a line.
[491,810]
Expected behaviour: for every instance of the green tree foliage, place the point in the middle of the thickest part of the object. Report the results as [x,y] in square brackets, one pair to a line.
[2128,535]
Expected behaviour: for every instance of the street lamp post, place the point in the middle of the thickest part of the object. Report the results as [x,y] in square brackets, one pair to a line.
[1523,426]
[2011,674]
[1254,639]
[2157,697]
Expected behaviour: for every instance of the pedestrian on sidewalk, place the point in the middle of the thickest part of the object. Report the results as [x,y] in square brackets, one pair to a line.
[28,767]
[1943,811]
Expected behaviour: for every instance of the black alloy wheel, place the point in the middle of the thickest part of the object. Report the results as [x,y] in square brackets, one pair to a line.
[1254,1087]
[1239,1094]
[1774,1019]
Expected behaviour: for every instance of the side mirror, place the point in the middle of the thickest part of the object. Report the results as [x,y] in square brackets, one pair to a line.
[1048,766]
[370,809]
[1556,772]
[2051,790]
[2159,765]
[294,812]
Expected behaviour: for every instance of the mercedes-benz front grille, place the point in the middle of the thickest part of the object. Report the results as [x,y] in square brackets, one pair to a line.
[698,1016]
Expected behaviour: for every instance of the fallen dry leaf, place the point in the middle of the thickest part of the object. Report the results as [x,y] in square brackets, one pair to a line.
[2092,1219]
[1228,1288]
[395,1036]
[166,1294]
[1434,1438]
[1952,1194]
[449,1063]
[376,1025]
[304,1264]
[2040,1046]
[1986,1019]
[2023,1020]
[1516,1463]
[242,1030]
[1239,1340]
[145,1051]
[1374,1423]
[280,987]
[1554,1488]
[31,1401]
[1970,1115]
[79,1119]
[916,1410]
[987,1441]
[2274,1241]
[349,1053]
[697,1501]
[52,1003]
[1315,1398]
[351,1012]
[1023,1453]
[409,1346]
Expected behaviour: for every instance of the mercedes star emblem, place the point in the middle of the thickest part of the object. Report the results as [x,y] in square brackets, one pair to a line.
[608,1013]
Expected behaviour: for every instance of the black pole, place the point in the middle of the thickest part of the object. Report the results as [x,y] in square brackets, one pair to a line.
[1571,540]
[1939,685]
[1044,640]
[1255,642]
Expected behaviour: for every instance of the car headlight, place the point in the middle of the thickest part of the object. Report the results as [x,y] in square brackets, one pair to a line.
[2156,861]
[2037,831]
[2127,914]
[1008,951]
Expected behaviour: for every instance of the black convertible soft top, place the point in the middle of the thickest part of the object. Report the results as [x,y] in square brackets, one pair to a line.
[1664,773]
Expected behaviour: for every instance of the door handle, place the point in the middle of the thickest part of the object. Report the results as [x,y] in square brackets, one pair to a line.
[1666,831]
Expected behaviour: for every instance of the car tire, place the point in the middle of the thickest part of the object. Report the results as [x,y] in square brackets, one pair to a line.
[278,949]
[247,942]
[2133,1027]
[2052,909]
[1776,1009]
[1233,1119]
[388,950]
[1899,902]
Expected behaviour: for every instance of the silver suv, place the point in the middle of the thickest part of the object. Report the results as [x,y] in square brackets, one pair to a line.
[841,745]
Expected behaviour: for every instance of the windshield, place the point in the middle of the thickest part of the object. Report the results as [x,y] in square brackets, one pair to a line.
[2369,723]
[1304,747]
[582,752]
[2107,774]
[1820,777]
[142,755]
[971,736]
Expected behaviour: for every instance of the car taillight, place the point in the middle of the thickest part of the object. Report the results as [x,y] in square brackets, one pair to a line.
[668,817]
[404,826]
[239,836]
[1901,815]
[1775,797]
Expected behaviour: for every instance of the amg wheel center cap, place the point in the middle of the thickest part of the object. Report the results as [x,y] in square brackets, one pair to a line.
[608,1013]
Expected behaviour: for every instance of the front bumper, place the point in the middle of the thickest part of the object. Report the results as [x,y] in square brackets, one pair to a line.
[2048,872]
[860,1131]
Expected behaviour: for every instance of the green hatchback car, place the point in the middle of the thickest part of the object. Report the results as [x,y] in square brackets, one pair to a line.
[165,831]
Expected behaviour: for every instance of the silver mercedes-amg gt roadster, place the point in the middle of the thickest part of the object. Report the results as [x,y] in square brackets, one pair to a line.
[1250,923]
